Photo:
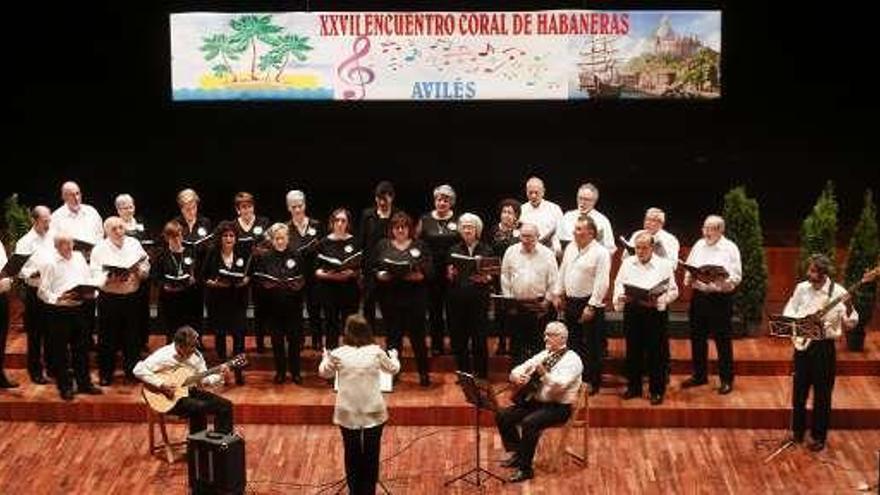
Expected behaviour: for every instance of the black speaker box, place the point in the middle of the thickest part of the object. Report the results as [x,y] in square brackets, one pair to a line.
[216,463]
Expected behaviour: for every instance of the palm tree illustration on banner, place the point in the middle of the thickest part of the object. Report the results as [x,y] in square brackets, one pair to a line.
[251,28]
[222,46]
[284,47]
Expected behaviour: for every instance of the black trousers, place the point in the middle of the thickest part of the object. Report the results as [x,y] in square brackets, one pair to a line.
[35,326]
[362,448]
[68,345]
[258,299]
[406,314]
[526,331]
[4,330]
[312,300]
[143,318]
[339,300]
[285,321]
[711,313]
[198,405]
[532,418]
[438,294]
[177,309]
[468,327]
[815,367]
[645,332]
[371,301]
[586,338]
[118,329]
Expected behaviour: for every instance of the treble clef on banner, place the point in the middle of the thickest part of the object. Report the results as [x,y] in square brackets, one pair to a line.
[352,73]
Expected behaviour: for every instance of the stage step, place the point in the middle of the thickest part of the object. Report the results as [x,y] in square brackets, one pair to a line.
[757,402]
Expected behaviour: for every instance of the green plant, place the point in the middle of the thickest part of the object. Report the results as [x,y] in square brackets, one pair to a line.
[16,218]
[819,229]
[864,248]
[743,227]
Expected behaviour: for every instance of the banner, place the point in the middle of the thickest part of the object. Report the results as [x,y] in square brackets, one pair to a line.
[543,55]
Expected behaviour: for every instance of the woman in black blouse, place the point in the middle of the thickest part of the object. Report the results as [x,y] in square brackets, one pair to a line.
[469,297]
[250,232]
[501,236]
[439,232]
[280,273]
[403,267]
[180,300]
[225,273]
[337,277]
[305,234]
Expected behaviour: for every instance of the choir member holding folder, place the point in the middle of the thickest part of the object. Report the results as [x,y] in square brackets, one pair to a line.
[472,268]
[503,235]
[119,266]
[280,274]
[644,287]
[338,267]
[250,231]
[305,233]
[226,275]
[180,300]
[402,267]
[134,227]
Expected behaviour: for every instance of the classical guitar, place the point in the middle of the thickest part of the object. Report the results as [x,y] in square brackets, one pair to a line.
[521,395]
[182,378]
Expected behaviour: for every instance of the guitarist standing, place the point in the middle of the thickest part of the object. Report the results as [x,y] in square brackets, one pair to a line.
[815,365]
[200,403]
[550,381]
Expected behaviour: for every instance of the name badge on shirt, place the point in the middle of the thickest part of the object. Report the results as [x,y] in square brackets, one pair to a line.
[516,233]
[349,248]
[139,227]
[239,262]
[187,260]
[311,231]
[452,226]
[290,263]
[258,230]
[202,232]
[415,253]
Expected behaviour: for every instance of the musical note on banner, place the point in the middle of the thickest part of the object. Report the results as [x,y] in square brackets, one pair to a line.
[352,73]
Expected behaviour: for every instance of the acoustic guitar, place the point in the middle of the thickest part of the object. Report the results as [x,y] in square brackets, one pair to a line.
[182,378]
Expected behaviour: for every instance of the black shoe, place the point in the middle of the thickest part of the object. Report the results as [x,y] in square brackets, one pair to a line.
[816,445]
[511,461]
[425,380]
[796,437]
[521,475]
[105,381]
[89,390]
[279,379]
[725,389]
[656,399]
[239,378]
[7,383]
[693,382]
[592,389]
[631,394]
[39,380]
[297,379]
[67,395]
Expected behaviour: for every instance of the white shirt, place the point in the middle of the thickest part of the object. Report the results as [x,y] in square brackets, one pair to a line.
[59,275]
[84,225]
[3,260]
[723,253]
[545,216]
[585,273]
[604,232]
[646,275]
[528,275]
[665,245]
[107,253]
[806,300]
[165,359]
[41,248]
[561,383]
[359,403]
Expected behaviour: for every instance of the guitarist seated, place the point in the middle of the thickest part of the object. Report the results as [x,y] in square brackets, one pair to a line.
[200,403]
[549,383]
[814,364]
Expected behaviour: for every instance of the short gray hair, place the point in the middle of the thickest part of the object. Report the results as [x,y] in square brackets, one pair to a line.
[473,220]
[123,199]
[295,195]
[716,220]
[445,190]
[186,336]
[589,187]
[557,327]
[536,181]
[657,213]
[275,228]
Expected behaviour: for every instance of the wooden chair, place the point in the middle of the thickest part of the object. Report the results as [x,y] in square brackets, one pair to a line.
[155,419]
[559,450]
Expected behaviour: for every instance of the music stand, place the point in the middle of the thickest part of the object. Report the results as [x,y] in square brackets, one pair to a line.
[480,394]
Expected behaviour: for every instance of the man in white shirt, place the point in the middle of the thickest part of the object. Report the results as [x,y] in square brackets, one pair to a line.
[119,265]
[815,366]
[712,303]
[39,243]
[182,353]
[555,373]
[5,286]
[528,280]
[581,288]
[76,218]
[540,212]
[644,315]
[587,197]
[65,322]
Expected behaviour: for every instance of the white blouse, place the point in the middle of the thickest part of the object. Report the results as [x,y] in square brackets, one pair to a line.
[359,403]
